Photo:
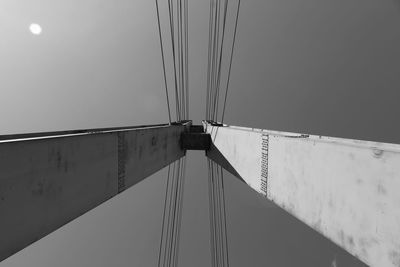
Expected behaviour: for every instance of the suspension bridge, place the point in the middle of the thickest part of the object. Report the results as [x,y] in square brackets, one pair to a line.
[344,189]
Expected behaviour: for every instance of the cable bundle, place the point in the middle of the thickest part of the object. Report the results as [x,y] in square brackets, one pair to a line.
[216,38]
[179,28]
[218,231]
[171,223]
[172,216]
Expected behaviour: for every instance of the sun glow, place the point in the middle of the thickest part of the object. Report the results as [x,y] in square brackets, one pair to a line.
[35,29]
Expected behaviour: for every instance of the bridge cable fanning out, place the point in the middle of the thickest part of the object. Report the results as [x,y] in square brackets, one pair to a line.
[172,215]
[173,201]
[217,214]
[178,20]
[217,41]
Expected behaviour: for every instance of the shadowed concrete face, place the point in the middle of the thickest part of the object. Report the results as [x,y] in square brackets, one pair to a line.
[219,158]
[49,180]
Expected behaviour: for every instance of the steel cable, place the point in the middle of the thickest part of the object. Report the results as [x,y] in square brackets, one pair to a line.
[217,216]
[220,59]
[163,217]
[163,61]
[172,31]
[230,63]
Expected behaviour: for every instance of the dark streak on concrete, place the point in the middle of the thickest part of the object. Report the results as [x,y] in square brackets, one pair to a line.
[66,166]
[330,203]
[341,237]
[365,244]
[377,152]
[350,241]
[394,256]
[58,160]
[140,152]
[165,143]
[46,189]
[381,189]
[38,189]
[154,141]
[298,136]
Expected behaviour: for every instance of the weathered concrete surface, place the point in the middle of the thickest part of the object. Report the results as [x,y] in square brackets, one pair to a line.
[348,190]
[49,180]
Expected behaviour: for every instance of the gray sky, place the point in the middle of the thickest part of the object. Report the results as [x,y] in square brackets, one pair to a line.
[312,66]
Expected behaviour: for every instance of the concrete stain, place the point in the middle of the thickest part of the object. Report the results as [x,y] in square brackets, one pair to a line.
[394,257]
[377,153]
[38,189]
[165,143]
[330,203]
[365,244]
[341,237]
[350,241]
[154,141]
[43,187]
[381,189]
[66,165]
[140,152]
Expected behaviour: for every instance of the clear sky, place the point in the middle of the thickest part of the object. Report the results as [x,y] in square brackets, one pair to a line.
[311,66]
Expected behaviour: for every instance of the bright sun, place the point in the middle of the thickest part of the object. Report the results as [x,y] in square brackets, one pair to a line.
[35,29]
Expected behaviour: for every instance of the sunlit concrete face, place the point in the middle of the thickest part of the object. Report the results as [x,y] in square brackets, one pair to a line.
[336,186]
